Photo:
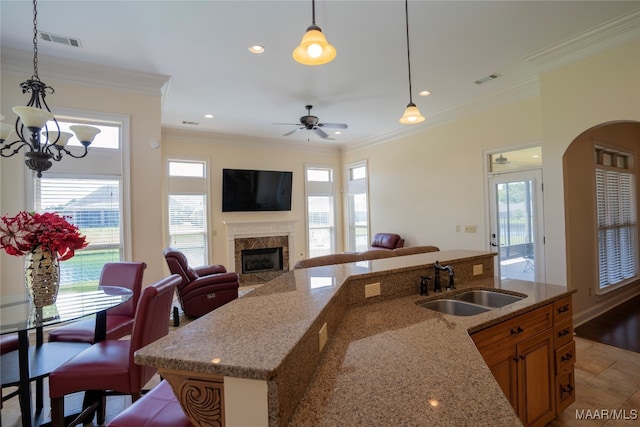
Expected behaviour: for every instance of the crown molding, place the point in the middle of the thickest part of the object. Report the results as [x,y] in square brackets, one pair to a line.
[173,134]
[78,72]
[517,93]
[607,36]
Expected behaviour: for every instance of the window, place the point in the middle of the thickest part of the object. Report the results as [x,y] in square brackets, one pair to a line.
[187,206]
[616,214]
[357,207]
[320,211]
[90,191]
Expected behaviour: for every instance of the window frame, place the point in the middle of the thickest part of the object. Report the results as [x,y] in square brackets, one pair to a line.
[190,186]
[320,189]
[355,187]
[94,166]
[603,164]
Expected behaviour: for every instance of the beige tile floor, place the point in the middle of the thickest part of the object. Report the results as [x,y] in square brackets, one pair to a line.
[607,379]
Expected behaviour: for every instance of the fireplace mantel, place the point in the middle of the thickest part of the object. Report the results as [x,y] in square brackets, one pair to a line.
[246,229]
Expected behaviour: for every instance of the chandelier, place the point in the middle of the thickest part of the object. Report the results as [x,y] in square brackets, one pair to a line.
[42,142]
[411,113]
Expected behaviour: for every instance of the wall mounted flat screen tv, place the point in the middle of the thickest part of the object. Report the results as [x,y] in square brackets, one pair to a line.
[256,190]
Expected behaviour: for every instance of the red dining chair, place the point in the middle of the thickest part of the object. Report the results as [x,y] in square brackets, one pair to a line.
[8,342]
[107,367]
[158,408]
[119,319]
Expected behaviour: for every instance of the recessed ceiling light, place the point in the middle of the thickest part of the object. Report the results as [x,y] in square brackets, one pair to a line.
[337,132]
[424,93]
[208,116]
[256,49]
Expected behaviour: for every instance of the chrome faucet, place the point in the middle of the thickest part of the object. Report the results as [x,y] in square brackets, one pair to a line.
[438,268]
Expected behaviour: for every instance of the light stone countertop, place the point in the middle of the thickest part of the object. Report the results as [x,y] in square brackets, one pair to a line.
[382,365]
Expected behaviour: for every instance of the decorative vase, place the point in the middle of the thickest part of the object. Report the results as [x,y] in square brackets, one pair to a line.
[42,276]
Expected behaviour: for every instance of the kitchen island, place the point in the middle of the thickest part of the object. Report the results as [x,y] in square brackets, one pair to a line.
[308,348]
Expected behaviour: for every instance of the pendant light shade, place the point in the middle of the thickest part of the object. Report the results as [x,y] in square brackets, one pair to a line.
[411,114]
[314,49]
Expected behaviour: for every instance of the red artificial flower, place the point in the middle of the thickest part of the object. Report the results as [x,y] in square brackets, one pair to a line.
[28,230]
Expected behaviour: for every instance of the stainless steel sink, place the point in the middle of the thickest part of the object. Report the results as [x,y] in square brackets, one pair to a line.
[455,307]
[487,298]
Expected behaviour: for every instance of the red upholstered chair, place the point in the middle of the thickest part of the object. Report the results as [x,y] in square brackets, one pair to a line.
[203,289]
[158,408]
[120,318]
[107,367]
[8,342]
[387,241]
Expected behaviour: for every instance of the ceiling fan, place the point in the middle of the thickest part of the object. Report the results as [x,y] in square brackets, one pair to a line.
[501,160]
[310,122]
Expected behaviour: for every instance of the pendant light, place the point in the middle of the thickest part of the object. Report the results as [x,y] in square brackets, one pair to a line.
[40,148]
[314,49]
[411,113]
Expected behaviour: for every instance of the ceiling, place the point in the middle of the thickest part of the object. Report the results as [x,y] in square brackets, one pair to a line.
[203,47]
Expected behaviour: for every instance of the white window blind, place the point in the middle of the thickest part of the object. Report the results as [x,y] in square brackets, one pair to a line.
[617,228]
[188,209]
[93,205]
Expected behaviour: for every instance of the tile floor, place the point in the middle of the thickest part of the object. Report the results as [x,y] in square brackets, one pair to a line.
[607,379]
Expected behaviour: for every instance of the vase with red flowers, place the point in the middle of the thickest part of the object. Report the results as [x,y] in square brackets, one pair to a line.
[44,239]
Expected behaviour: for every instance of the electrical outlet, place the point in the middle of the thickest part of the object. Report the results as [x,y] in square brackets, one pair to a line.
[323,336]
[477,269]
[372,290]
[469,228]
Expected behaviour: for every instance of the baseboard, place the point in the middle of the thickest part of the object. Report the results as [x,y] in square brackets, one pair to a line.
[595,311]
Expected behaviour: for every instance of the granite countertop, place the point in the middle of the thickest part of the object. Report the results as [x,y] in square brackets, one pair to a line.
[384,363]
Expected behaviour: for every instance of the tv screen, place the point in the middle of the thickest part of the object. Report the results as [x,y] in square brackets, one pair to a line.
[255,190]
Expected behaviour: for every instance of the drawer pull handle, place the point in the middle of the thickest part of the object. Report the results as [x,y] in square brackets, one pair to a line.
[566,357]
[563,309]
[566,388]
[564,332]
[517,330]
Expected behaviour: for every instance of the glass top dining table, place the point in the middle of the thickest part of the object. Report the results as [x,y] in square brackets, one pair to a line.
[18,314]
[35,362]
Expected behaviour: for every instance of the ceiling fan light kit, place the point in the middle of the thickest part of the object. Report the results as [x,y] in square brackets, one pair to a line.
[314,49]
[312,123]
[411,114]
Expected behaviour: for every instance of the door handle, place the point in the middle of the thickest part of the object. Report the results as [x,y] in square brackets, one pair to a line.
[493,240]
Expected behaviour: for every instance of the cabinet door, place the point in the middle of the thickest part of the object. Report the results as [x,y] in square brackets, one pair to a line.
[503,366]
[536,379]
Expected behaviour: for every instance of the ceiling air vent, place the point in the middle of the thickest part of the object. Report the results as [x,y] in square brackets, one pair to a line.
[487,79]
[55,38]
[187,122]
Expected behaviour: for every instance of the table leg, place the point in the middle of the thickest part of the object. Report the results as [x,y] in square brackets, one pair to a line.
[24,387]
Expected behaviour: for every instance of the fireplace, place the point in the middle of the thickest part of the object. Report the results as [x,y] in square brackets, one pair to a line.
[260,260]
[257,235]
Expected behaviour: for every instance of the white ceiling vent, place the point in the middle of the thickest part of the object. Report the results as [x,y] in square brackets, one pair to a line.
[487,79]
[188,122]
[55,38]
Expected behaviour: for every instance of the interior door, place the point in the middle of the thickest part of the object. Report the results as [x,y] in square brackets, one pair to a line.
[516,230]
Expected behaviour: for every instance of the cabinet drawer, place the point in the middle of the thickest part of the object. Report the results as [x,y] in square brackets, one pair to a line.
[565,390]
[562,310]
[562,334]
[565,357]
[511,331]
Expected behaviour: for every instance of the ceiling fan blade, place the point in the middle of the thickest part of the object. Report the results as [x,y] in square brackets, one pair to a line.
[322,133]
[293,131]
[288,124]
[334,125]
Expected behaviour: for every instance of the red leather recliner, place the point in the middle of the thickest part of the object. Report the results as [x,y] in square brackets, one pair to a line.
[203,289]
[387,241]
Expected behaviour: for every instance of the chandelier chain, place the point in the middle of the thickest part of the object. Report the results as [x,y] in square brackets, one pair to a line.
[35,42]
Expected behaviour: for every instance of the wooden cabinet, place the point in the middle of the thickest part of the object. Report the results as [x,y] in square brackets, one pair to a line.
[531,356]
